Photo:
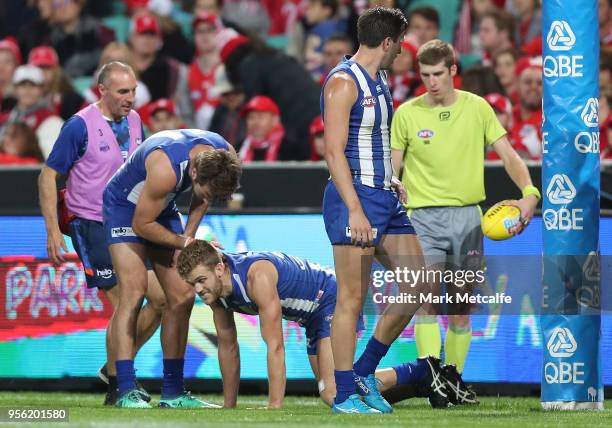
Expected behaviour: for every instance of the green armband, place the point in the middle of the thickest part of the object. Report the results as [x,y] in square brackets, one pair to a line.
[531,190]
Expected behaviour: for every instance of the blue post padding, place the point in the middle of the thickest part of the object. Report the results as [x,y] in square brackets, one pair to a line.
[571,373]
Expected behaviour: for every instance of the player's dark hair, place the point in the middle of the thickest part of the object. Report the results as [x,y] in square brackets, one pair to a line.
[427,13]
[435,51]
[378,23]
[110,67]
[197,253]
[220,170]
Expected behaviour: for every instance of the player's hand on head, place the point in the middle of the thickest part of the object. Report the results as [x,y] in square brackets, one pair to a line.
[399,188]
[56,246]
[361,230]
[216,244]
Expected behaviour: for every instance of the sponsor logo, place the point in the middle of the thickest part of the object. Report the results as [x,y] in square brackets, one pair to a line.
[138,141]
[117,232]
[591,268]
[589,114]
[378,89]
[106,273]
[564,373]
[444,116]
[561,190]
[561,343]
[369,101]
[560,36]
[563,219]
[425,133]
[104,148]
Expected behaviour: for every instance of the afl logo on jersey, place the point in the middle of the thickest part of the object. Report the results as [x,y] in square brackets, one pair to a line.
[368,101]
[425,133]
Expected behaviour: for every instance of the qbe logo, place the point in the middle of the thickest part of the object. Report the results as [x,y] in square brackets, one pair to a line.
[561,38]
[561,191]
[563,345]
[588,141]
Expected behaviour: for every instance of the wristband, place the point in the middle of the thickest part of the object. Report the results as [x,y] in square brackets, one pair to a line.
[531,190]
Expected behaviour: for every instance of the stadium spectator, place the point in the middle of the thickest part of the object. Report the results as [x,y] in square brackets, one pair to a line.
[120,52]
[605,70]
[227,120]
[335,48]
[201,74]
[496,32]
[424,24]
[527,115]
[10,58]
[248,15]
[175,44]
[605,124]
[266,136]
[32,108]
[164,76]
[467,40]
[39,32]
[504,64]
[78,39]
[260,70]
[160,115]
[402,77]
[528,21]
[480,80]
[19,146]
[605,22]
[58,89]
[210,7]
[503,110]
[317,142]
[322,22]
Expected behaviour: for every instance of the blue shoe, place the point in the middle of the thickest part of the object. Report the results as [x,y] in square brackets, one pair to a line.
[353,404]
[367,387]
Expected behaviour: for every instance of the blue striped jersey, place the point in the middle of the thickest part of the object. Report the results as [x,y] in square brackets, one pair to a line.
[368,148]
[302,286]
[127,183]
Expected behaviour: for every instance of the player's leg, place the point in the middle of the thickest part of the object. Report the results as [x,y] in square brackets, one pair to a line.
[150,315]
[351,262]
[180,297]
[128,260]
[467,246]
[353,265]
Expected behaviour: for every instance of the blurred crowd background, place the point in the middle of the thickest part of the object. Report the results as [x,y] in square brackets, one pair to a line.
[252,70]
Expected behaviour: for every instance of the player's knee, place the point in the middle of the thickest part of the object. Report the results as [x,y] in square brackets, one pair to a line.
[350,304]
[157,302]
[459,321]
[180,301]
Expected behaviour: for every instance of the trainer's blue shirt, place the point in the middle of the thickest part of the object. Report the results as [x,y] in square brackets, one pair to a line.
[71,144]
[303,286]
[125,186]
[368,148]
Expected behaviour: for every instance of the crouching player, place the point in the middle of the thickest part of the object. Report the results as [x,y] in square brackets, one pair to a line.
[274,286]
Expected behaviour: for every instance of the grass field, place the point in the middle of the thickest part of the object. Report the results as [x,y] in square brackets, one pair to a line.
[85,410]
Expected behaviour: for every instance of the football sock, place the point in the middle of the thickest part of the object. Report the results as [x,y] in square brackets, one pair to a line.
[373,353]
[427,335]
[126,376]
[345,385]
[172,385]
[411,372]
[457,345]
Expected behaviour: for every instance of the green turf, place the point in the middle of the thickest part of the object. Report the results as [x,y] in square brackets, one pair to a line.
[86,410]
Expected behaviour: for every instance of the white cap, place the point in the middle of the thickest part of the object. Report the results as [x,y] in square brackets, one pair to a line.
[222,84]
[29,73]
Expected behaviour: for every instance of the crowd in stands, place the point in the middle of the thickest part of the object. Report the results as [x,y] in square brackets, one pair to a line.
[252,70]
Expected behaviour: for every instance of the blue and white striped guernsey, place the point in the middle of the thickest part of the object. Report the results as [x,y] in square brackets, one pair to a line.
[303,287]
[368,149]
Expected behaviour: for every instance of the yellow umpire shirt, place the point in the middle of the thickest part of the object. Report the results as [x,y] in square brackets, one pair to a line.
[444,149]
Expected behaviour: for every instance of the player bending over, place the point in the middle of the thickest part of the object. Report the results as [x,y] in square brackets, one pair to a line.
[274,286]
